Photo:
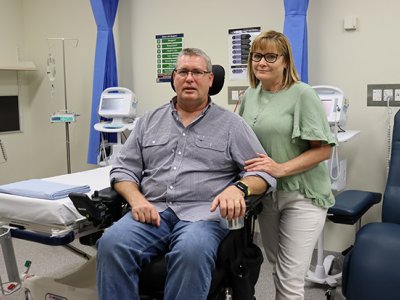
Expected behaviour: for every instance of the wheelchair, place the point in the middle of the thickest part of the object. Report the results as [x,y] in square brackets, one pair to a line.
[238,263]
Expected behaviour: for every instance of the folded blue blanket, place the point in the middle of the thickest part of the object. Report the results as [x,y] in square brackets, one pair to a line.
[38,188]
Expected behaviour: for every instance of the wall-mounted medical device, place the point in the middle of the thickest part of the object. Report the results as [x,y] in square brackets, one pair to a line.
[334,102]
[335,105]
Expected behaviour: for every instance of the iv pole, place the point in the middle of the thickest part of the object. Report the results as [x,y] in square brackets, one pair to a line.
[67,122]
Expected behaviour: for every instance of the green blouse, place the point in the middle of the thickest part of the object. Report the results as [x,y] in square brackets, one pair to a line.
[284,122]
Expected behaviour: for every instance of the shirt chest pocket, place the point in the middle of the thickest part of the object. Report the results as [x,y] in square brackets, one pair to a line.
[211,143]
[155,141]
[155,147]
[211,152]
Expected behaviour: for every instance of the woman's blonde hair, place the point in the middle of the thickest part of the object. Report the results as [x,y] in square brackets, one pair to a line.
[277,40]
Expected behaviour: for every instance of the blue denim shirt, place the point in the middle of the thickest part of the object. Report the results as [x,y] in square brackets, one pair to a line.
[185,168]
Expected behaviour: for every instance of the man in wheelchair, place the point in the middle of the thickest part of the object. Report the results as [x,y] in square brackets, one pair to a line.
[178,171]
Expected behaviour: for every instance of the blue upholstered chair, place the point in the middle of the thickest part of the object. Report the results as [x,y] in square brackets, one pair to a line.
[372,268]
[350,206]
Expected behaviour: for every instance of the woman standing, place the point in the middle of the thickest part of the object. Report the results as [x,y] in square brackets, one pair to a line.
[289,120]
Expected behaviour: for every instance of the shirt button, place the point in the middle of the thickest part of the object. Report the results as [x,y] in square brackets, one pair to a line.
[171,187]
[153,142]
[174,168]
[184,134]
[179,152]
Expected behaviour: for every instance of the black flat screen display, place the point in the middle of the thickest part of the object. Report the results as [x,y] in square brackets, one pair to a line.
[9,114]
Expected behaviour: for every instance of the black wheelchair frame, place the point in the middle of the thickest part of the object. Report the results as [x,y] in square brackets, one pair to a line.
[239,259]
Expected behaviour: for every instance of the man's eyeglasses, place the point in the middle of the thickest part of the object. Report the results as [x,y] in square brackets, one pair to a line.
[196,74]
[269,57]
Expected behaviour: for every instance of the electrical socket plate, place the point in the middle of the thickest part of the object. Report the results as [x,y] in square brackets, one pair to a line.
[379,94]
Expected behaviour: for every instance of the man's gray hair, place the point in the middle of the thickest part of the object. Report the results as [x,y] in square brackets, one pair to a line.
[195,52]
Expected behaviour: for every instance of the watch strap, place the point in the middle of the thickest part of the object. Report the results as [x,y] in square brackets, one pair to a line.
[243,187]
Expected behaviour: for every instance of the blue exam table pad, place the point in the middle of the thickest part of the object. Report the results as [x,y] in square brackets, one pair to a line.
[23,210]
[43,189]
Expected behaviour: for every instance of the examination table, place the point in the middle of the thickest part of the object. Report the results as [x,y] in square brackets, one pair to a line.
[50,222]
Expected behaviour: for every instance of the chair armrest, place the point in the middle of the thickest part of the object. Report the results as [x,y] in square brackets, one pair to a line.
[254,204]
[108,195]
[102,209]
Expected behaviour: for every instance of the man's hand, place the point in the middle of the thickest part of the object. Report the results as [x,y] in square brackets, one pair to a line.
[142,210]
[145,212]
[231,203]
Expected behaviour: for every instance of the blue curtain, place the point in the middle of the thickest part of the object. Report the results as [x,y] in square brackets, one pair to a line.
[105,65]
[295,28]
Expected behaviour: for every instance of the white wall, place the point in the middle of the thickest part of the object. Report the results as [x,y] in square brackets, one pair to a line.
[11,24]
[204,24]
[17,145]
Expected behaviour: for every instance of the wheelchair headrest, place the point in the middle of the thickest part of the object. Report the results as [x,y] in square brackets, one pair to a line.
[218,82]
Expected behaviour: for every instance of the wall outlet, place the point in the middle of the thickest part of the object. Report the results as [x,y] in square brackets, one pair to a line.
[379,94]
[388,95]
[376,95]
[397,95]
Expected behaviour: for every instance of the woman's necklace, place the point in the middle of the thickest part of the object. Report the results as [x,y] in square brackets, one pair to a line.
[262,102]
[264,98]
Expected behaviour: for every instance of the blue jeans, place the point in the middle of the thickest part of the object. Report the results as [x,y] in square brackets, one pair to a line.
[190,247]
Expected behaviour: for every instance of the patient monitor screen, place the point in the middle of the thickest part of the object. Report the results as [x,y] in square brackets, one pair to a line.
[112,105]
[115,107]
[334,104]
[329,105]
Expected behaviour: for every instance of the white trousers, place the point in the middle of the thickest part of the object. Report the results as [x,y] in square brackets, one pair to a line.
[290,226]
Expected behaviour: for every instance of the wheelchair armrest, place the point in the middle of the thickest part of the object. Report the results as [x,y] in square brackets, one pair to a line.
[254,204]
[93,211]
[102,209]
[108,195]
